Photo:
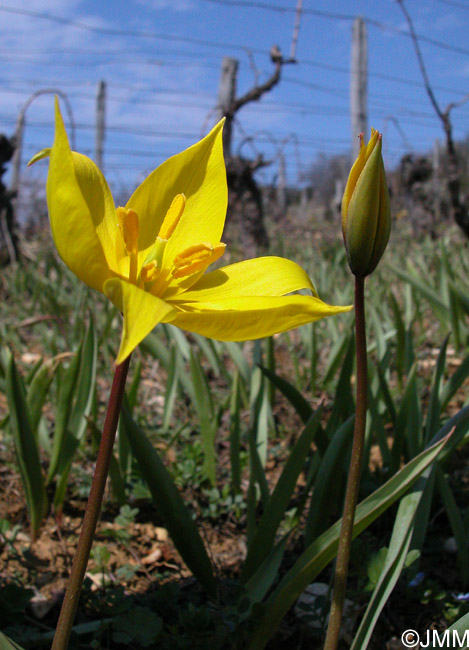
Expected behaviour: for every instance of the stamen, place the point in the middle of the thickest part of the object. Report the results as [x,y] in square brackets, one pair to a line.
[172,217]
[196,258]
[129,227]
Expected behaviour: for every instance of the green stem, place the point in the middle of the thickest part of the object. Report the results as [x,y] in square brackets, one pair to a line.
[351,496]
[93,508]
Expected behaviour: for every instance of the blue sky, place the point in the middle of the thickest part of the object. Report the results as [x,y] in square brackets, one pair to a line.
[161,62]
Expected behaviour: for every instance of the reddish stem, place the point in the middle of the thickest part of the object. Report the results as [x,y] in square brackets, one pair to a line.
[93,509]
[353,483]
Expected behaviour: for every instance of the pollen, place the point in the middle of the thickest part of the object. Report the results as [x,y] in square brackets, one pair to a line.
[172,217]
[196,258]
[129,227]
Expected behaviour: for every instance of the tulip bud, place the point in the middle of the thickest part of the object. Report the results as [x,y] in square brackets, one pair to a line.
[366,212]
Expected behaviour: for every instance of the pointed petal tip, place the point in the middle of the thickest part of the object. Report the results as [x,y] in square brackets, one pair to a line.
[40,155]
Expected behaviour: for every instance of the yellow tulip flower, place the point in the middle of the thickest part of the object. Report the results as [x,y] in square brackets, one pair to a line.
[149,257]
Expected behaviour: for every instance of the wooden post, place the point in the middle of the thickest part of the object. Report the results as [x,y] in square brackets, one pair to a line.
[296,30]
[226,99]
[16,163]
[100,123]
[359,84]
[436,181]
[281,185]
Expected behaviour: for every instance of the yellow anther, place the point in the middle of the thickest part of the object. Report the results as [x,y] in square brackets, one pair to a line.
[172,217]
[149,272]
[129,227]
[196,258]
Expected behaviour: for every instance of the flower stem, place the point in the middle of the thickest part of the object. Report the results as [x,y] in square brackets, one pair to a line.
[93,508]
[353,483]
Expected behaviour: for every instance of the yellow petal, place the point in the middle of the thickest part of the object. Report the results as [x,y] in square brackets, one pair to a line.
[246,318]
[198,173]
[82,212]
[142,312]
[263,276]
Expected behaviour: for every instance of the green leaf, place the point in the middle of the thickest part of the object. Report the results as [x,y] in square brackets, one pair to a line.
[441,308]
[330,477]
[454,383]
[324,549]
[66,386]
[293,395]
[172,383]
[235,434]
[261,413]
[236,353]
[274,512]
[335,356]
[375,567]
[26,447]
[393,563]
[170,504]
[159,349]
[260,582]
[74,418]
[434,406]
[400,336]
[343,406]
[257,469]
[404,416]
[134,385]
[208,348]
[460,632]
[205,411]
[179,338]
[377,427]
[8,644]
[456,522]
[386,393]
[37,392]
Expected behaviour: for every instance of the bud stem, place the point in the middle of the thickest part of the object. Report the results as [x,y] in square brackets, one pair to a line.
[351,496]
[93,508]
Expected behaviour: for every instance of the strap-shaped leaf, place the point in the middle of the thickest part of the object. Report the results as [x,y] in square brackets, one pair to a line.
[169,504]
[395,559]
[8,644]
[26,447]
[324,549]
[206,412]
[274,512]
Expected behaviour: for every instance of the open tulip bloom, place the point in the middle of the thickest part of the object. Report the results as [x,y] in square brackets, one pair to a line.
[150,257]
